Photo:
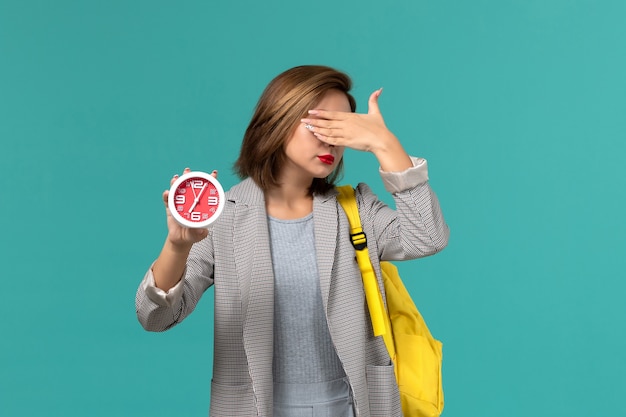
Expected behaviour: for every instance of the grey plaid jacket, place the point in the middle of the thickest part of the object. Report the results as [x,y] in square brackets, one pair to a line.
[235,259]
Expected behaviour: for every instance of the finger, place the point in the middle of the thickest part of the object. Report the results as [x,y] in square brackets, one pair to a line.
[329,115]
[318,123]
[373,102]
[214,173]
[329,140]
[325,132]
[165,196]
[173,179]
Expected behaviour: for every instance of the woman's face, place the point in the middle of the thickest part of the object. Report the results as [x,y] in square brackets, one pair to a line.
[307,156]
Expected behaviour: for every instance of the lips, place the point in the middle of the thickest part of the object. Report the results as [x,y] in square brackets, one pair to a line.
[326,159]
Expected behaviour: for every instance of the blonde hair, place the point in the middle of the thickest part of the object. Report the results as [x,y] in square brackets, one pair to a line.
[285,101]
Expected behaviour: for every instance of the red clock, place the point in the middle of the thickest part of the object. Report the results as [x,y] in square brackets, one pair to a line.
[196,199]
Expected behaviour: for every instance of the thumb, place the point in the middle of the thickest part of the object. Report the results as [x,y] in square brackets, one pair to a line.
[373,102]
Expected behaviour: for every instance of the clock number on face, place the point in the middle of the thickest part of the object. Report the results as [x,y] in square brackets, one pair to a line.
[179,199]
[196,216]
[197,184]
[212,201]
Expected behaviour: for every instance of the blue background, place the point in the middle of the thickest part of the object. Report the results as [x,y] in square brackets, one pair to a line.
[519,106]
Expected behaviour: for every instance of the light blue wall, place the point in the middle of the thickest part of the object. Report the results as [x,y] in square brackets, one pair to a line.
[519,106]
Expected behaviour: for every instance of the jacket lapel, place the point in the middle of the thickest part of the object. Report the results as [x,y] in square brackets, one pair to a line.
[325,227]
[253,261]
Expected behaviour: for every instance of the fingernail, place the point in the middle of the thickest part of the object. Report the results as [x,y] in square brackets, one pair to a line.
[308,126]
[312,111]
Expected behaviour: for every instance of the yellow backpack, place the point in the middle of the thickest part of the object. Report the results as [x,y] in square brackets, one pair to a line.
[416,355]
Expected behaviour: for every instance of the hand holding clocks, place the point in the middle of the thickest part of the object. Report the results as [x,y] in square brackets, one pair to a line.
[196,199]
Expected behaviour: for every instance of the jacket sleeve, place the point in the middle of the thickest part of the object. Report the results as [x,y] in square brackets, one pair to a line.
[158,310]
[416,228]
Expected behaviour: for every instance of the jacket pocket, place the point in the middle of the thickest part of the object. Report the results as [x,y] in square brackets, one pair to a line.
[384,397]
[232,400]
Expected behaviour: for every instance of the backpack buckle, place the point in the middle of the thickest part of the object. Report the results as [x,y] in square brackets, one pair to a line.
[359,240]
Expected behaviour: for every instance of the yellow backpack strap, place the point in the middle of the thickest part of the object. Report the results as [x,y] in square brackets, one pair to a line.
[373,296]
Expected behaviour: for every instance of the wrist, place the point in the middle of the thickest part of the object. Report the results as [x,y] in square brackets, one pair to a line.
[177,247]
[391,155]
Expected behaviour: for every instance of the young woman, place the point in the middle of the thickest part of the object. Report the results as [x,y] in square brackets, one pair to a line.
[292,331]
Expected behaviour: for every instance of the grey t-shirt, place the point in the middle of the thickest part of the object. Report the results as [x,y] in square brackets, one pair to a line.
[303,349]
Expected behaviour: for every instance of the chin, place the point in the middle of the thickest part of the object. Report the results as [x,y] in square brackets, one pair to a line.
[322,175]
